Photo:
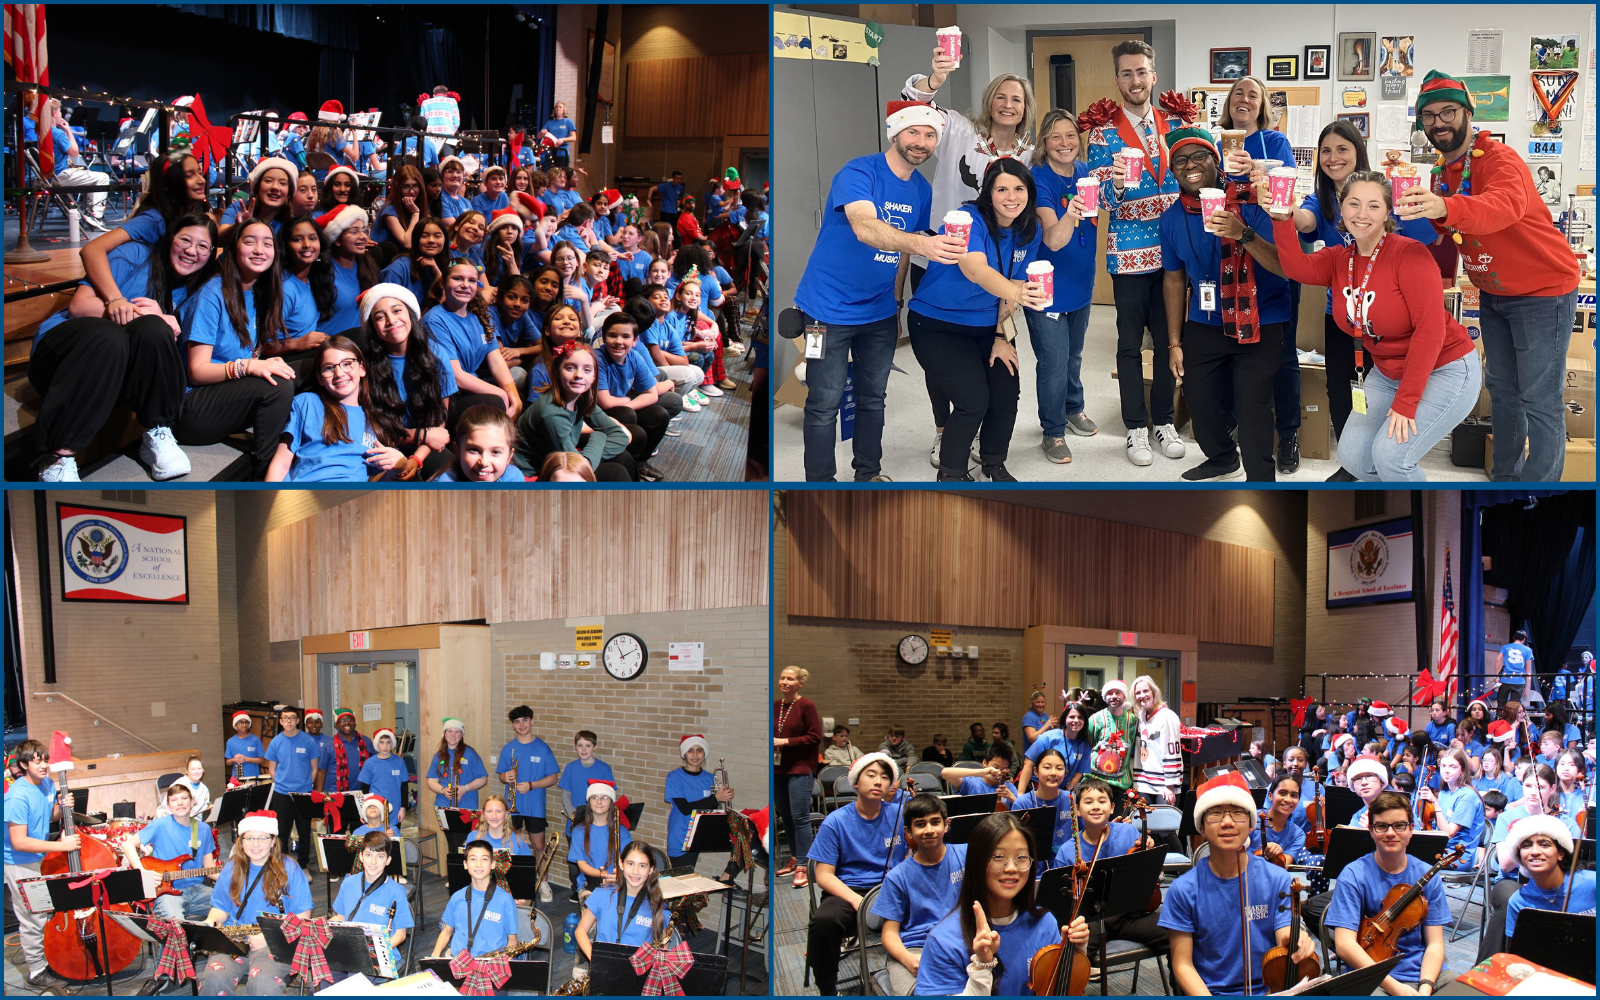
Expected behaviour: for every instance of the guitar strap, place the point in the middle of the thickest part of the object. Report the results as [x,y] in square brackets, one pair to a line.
[194,837]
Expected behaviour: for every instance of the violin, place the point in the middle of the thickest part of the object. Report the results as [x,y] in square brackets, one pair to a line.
[1136,803]
[1277,972]
[1316,814]
[1282,860]
[1427,811]
[1057,970]
[1403,909]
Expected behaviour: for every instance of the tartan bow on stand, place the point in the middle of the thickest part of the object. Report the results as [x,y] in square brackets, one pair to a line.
[174,962]
[663,968]
[480,977]
[310,938]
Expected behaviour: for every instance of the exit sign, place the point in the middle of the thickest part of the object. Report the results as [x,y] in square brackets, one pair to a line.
[360,640]
[1127,638]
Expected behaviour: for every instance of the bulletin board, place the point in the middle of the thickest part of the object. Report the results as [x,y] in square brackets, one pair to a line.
[1209,100]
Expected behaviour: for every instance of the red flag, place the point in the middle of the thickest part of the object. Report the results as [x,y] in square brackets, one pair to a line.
[30,63]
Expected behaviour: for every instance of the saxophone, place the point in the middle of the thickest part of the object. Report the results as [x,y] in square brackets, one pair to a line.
[240,933]
[514,951]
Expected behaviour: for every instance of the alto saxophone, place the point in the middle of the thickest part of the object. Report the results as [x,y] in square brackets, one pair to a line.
[514,951]
[240,933]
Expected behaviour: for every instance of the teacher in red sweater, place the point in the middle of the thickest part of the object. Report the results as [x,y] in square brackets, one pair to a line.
[796,741]
[1386,292]
[1483,198]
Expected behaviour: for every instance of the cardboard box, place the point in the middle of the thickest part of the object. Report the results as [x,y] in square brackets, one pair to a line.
[1488,454]
[1495,595]
[1578,398]
[1579,467]
[1496,625]
[1316,424]
[793,391]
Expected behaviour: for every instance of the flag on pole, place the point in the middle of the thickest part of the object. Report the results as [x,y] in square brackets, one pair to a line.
[30,63]
[1448,635]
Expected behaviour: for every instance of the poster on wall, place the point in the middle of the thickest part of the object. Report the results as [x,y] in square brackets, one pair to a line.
[1547,180]
[119,556]
[1484,46]
[1209,100]
[1370,564]
[1491,97]
[1398,53]
[791,35]
[1586,147]
[840,41]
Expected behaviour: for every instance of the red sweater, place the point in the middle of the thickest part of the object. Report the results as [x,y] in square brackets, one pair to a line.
[1408,315]
[1508,245]
[802,727]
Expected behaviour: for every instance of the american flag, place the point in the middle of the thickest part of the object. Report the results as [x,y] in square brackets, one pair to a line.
[1448,635]
[30,62]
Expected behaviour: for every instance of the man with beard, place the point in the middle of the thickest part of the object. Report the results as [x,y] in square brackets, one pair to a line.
[877,207]
[1483,197]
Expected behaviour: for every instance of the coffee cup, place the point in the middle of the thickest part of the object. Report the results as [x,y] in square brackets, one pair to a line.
[1043,274]
[1134,161]
[1212,201]
[949,40]
[1088,197]
[958,223]
[1280,188]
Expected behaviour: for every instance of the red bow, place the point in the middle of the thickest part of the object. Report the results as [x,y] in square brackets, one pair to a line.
[1300,705]
[209,143]
[1428,688]
[96,885]
[517,139]
[622,812]
[174,961]
[1097,114]
[332,805]
[480,977]
[1175,103]
[663,969]
[470,817]
[313,936]
[562,350]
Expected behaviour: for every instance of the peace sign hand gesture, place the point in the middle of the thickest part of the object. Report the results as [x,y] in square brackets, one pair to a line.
[985,941]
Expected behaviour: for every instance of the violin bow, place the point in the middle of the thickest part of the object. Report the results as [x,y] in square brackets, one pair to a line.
[1244,910]
[898,808]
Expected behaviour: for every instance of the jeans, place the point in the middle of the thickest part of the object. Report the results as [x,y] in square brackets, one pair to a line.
[1216,368]
[1367,452]
[193,904]
[1140,306]
[1524,342]
[1058,349]
[956,359]
[794,811]
[871,347]
[1286,382]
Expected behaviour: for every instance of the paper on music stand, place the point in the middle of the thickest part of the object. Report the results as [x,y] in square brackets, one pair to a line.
[356,985]
[36,895]
[365,118]
[420,984]
[248,129]
[687,885]
[132,926]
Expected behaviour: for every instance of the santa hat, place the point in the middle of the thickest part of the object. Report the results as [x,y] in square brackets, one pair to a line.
[606,789]
[1440,86]
[695,740]
[904,114]
[451,722]
[759,819]
[497,168]
[239,715]
[1480,703]
[1396,727]
[1192,135]
[527,206]
[368,300]
[1367,764]
[1114,685]
[1228,789]
[1379,710]
[60,752]
[355,178]
[261,821]
[502,217]
[1588,658]
[334,223]
[342,711]
[374,799]
[183,102]
[380,734]
[314,713]
[331,111]
[275,162]
[444,164]
[1341,740]
[613,199]
[874,757]
[1528,826]
[1501,731]
[297,116]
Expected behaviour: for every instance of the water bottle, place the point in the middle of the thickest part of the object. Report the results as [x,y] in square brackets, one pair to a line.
[74,224]
[568,944]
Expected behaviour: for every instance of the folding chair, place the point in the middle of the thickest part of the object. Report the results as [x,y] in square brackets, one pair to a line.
[924,782]
[1474,881]
[869,926]
[829,776]
[843,793]
[932,767]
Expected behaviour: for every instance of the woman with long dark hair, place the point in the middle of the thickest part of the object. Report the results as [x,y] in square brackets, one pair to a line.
[421,266]
[346,242]
[957,322]
[308,289]
[409,377]
[1069,737]
[405,209]
[272,186]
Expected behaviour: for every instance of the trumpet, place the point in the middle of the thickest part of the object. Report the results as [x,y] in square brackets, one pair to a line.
[719,781]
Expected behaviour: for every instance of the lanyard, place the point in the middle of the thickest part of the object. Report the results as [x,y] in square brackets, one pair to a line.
[243,900]
[369,891]
[1359,310]
[472,925]
[633,912]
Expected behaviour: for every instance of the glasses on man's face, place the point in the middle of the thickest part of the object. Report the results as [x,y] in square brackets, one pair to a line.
[344,367]
[1192,160]
[1382,828]
[1446,117]
[1000,862]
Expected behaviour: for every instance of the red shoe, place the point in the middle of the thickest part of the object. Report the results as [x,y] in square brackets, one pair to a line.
[788,867]
[800,880]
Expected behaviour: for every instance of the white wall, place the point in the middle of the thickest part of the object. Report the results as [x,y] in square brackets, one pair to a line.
[997,39]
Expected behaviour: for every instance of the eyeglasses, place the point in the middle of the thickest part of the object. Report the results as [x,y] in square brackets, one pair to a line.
[1445,117]
[1193,159]
[1217,815]
[344,367]
[188,246]
[1400,827]
[262,839]
[1001,862]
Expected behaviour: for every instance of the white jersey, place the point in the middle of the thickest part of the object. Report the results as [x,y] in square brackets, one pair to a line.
[963,157]
[1158,759]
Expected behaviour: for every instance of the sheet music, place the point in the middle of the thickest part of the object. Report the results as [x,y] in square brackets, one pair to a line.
[1484,46]
[685,885]
[36,895]
[132,926]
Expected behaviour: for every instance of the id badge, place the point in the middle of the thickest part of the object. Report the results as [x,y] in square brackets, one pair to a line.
[1208,296]
[1358,397]
[815,334]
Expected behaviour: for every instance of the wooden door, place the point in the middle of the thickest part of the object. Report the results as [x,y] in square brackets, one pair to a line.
[1095,77]
[375,686]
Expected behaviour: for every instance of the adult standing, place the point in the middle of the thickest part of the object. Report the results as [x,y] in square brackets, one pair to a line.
[1514,663]
[1133,242]
[1483,197]
[667,193]
[1113,732]
[876,211]
[343,755]
[1158,757]
[560,129]
[796,735]
[1034,720]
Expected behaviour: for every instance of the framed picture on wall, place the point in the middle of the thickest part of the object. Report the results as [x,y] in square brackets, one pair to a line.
[1228,65]
[1317,61]
[1360,121]
[1357,55]
[1283,67]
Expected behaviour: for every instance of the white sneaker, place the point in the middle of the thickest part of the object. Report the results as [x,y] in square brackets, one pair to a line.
[63,470]
[1168,441]
[689,405]
[1139,446]
[161,453]
[933,453]
[699,397]
[710,390]
[544,893]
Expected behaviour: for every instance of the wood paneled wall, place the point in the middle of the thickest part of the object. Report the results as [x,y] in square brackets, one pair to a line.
[700,96]
[409,557]
[916,556]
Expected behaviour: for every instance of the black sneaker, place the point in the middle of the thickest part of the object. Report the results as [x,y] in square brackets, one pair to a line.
[650,473]
[1288,454]
[1221,467]
[1342,477]
[998,474]
[950,477]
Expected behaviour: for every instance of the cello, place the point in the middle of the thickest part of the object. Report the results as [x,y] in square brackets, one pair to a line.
[1056,970]
[1316,813]
[1403,910]
[1277,972]
[72,938]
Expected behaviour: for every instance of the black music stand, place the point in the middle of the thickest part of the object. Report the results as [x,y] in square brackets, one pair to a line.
[1358,983]
[236,802]
[337,857]
[121,885]
[1118,885]
[349,815]
[1560,941]
[528,975]
[967,805]
[1342,804]
[456,830]
[1041,820]
[521,879]
[1347,844]
[346,952]
[712,835]
[611,972]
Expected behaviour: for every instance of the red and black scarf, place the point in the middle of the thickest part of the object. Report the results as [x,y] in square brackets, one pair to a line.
[341,760]
[1240,320]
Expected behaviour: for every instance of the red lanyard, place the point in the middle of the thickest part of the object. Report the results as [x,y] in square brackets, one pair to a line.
[1360,313]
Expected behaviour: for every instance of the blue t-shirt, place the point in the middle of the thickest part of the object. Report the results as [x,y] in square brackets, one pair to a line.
[575,780]
[494,912]
[488,203]
[1441,733]
[399,272]
[1199,899]
[386,777]
[1515,659]
[296,893]
[130,269]
[1268,144]
[1292,840]
[571,234]
[948,294]
[512,841]
[1506,784]
[463,336]
[471,770]
[1121,838]
[668,332]
[856,846]
[1359,892]
[205,321]
[559,127]
[594,854]
[373,907]
[603,904]
[919,895]
[1063,806]
[366,828]
[380,228]
[1187,247]
[691,788]
[846,281]
[230,215]
[296,760]
[638,267]
[147,227]
[170,839]
[300,315]
[670,193]
[1031,720]
[511,475]
[346,313]
[454,206]
[942,968]
[634,374]
[519,334]
[1327,233]
[60,139]
[328,760]
[1464,808]
[447,375]
[316,461]
[1531,897]
[1074,263]
[534,761]
[1076,752]
[250,746]
[975,785]
[28,805]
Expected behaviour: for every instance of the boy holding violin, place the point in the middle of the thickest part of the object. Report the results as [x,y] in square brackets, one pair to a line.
[1361,892]
[32,802]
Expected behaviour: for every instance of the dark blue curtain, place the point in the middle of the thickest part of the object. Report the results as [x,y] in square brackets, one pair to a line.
[1469,604]
[324,24]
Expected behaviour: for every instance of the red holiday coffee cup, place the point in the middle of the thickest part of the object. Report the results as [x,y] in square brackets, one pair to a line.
[1133,159]
[1402,185]
[1089,196]
[1212,201]
[1043,274]
[1280,187]
[958,223]
[949,40]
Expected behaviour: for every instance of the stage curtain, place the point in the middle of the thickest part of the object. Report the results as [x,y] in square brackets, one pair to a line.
[1534,558]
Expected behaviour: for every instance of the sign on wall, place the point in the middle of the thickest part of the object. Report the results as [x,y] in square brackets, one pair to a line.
[119,556]
[1370,564]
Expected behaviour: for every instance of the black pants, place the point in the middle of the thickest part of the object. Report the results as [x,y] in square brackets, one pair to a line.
[1141,927]
[834,921]
[1494,935]
[1339,350]
[1214,363]
[1141,307]
[671,219]
[212,412]
[1314,908]
[291,824]
[85,367]
[955,359]
[647,425]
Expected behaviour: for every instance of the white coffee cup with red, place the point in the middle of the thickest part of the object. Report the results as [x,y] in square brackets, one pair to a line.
[1280,188]
[1042,274]
[1088,197]
[1133,159]
[958,223]
[1212,201]
[949,40]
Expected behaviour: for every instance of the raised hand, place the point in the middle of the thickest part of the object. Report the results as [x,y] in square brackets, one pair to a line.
[986,941]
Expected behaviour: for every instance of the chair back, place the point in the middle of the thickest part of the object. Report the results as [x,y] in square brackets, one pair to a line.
[165,780]
[832,773]
[1165,819]
[932,767]
[925,782]
[842,786]
[541,923]
[868,922]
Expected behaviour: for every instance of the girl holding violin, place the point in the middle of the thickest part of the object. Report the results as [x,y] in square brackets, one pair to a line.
[1284,837]
[988,944]
[257,879]
[1458,812]
[1096,837]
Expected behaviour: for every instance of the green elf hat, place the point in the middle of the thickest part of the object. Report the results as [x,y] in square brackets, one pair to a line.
[1191,135]
[342,712]
[1438,86]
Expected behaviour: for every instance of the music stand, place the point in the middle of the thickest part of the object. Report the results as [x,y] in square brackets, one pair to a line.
[1347,844]
[1254,775]
[1358,983]
[528,975]
[121,885]
[967,805]
[346,952]
[611,972]
[712,835]
[520,878]
[1560,941]
[349,815]
[1342,805]
[234,803]
[1118,885]
[1041,820]
[456,830]
[335,856]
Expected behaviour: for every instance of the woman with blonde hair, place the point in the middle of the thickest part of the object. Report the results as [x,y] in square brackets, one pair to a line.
[796,739]
[1158,758]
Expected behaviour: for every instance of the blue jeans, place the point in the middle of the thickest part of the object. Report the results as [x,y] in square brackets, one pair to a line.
[1058,347]
[1365,448]
[871,347]
[794,811]
[1524,341]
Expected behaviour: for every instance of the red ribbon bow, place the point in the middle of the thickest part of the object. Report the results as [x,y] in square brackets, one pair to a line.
[332,804]
[663,969]
[174,962]
[562,350]
[1428,689]
[1300,705]
[480,977]
[96,885]
[622,812]
[314,935]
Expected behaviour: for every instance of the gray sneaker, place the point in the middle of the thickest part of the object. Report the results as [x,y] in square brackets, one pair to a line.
[1056,450]
[1081,425]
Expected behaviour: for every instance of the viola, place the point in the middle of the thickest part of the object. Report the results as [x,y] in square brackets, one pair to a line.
[1403,909]
[1057,970]
[1282,860]
[1277,972]
[1136,803]
[1427,811]
[1316,816]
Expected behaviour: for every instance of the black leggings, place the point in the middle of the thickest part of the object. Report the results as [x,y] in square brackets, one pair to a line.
[955,360]
[85,367]
[1339,354]
[212,412]
[647,425]
[1214,364]
[290,824]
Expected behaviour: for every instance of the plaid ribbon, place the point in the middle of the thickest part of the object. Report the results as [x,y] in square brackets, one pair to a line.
[686,913]
[663,969]
[480,977]
[352,843]
[174,962]
[502,865]
[740,834]
[313,935]
[332,804]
